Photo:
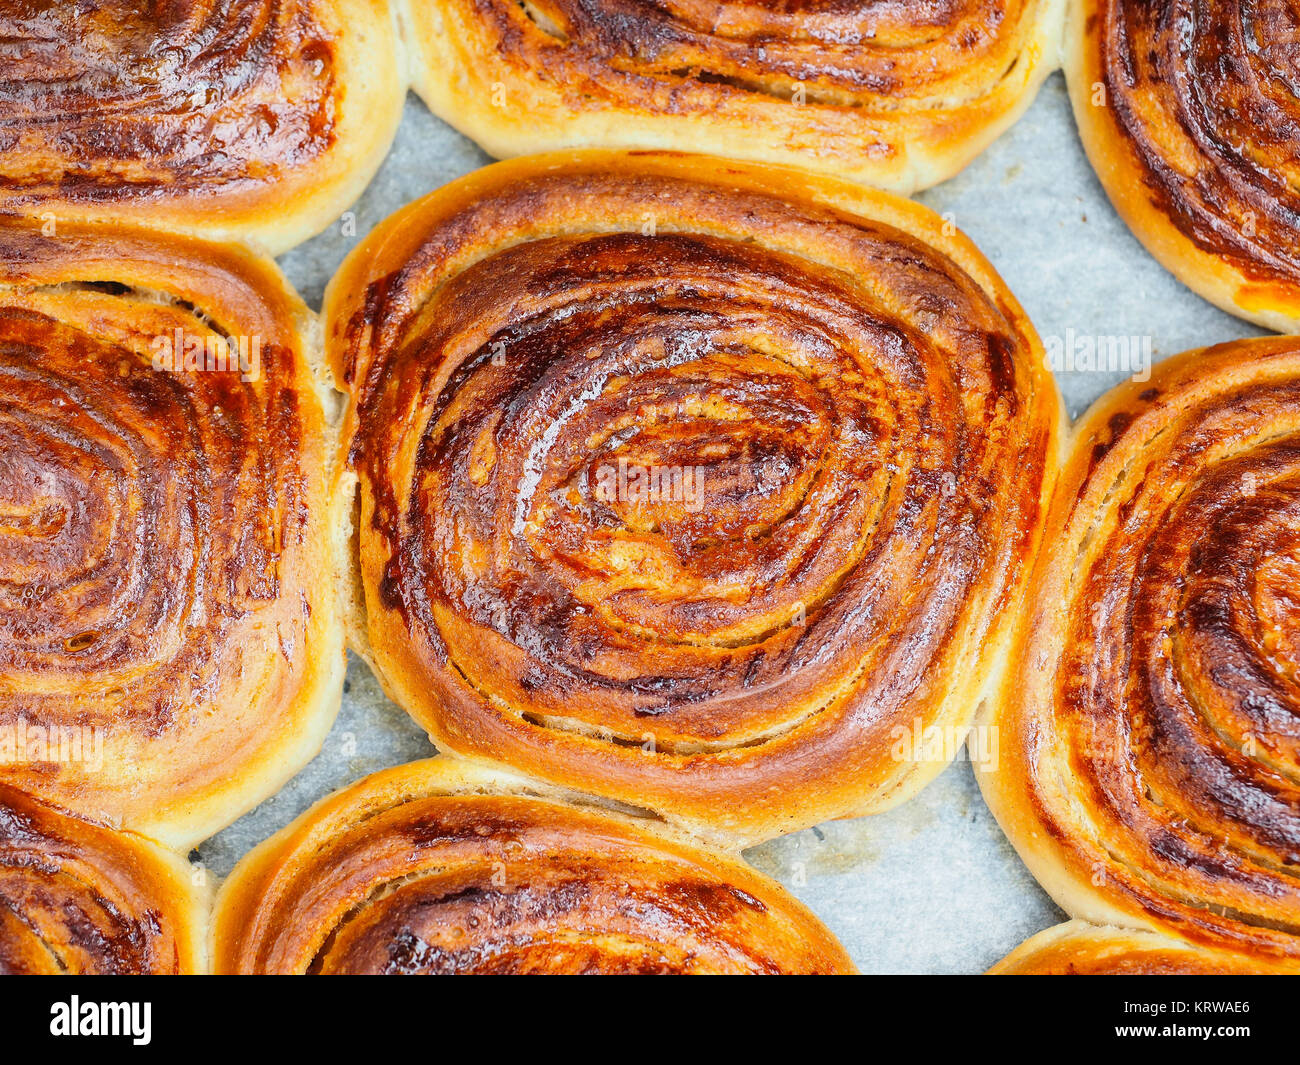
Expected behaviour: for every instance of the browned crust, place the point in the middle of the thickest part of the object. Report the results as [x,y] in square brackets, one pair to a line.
[900,96]
[76,897]
[253,120]
[1148,771]
[1077,948]
[766,723]
[439,867]
[1184,114]
[164,536]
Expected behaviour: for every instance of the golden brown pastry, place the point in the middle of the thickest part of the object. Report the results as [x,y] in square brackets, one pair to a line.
[1077,948]
[251,119]
[1189,113]
[438,867]
[702,486]
[899,95]
[1148,770]
[170,644]
[76,897]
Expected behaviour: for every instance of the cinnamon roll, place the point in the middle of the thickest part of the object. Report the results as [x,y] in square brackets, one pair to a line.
[438,867]
[701,486]
[1077,948]
[899,95]
[170,643]
[1189,113]
[258,120]
[76,897]
[1148,767]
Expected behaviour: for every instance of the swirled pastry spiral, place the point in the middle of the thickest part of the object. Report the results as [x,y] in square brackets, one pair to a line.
[697,485]
[1148,770]
[1077,948]
[258,120]
[1190,112]
[899,95]
[170,643]
[76,897]
[438,867]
